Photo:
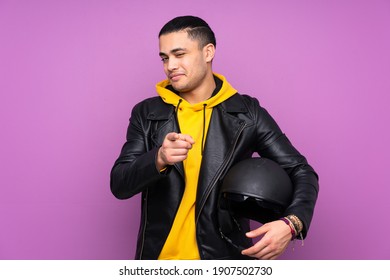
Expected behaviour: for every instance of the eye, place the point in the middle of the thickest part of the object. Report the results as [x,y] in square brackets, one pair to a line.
[164,59]
[179,54]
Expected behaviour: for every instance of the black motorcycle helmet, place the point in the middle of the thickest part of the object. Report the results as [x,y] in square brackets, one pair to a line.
[257,189]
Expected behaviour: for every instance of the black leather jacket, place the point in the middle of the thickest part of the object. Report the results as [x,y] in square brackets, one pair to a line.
[238,128]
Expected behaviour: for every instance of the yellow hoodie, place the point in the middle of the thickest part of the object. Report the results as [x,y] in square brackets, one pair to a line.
[193,120]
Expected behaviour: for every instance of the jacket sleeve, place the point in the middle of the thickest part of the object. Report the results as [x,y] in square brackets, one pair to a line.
[135,169]
[273,144]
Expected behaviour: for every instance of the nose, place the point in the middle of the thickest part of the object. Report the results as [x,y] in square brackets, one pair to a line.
[172,64]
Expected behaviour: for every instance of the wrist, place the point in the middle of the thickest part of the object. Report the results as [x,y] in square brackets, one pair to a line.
[160,164]
[297,223]
[292,228]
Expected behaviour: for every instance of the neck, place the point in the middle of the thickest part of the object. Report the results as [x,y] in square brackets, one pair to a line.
[202,92]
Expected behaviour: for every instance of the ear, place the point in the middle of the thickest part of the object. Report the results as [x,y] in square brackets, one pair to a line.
[209,52]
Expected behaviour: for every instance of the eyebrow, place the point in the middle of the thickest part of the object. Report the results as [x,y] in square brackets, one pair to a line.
[173,51]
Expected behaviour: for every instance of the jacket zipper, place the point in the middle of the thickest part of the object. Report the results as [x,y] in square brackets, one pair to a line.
[144,225]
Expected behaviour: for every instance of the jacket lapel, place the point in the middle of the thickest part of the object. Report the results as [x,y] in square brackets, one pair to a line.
[223,133]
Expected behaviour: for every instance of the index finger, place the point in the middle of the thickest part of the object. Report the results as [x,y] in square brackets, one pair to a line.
[257,232]
[255,248]
[187,138]
[172,136]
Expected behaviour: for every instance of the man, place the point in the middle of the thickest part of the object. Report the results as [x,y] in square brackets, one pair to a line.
[181,144]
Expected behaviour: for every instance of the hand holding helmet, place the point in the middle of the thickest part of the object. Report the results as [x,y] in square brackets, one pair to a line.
[259,189]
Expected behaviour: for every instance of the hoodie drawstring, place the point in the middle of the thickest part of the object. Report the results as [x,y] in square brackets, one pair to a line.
[204,122]
[178,105]
[177,119]
[204,126]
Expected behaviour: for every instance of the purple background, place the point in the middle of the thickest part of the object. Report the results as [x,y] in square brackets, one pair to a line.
[71,71]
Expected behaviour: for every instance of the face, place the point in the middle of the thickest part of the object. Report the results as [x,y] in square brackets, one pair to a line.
[185,64]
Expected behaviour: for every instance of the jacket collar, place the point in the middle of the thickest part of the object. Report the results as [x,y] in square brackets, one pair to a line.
[234,104]
[162,112]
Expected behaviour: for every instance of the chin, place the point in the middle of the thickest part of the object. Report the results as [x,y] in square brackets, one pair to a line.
[179,88]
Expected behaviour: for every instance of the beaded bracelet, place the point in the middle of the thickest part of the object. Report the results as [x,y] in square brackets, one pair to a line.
[296,222]
[293,231]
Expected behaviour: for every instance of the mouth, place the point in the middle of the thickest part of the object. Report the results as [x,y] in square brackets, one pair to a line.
[175,77]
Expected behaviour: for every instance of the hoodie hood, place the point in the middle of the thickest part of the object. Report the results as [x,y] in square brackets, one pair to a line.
[170,97]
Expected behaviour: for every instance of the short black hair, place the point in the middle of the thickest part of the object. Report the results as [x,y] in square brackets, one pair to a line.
[196,28]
